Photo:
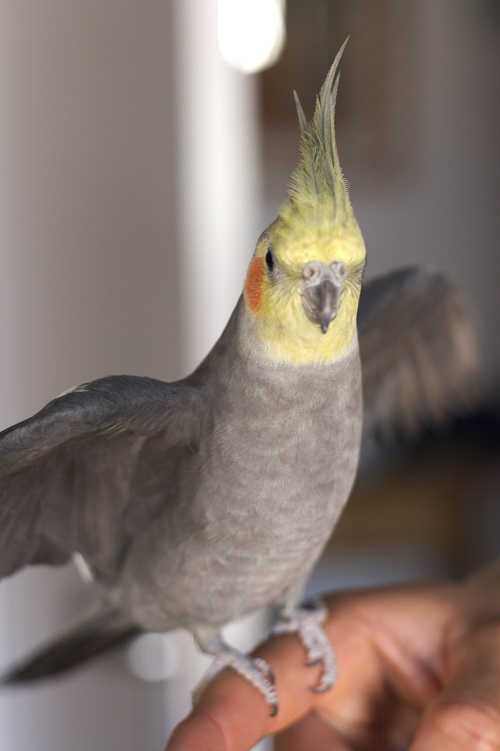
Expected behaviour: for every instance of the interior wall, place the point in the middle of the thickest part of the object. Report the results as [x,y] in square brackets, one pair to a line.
[88,287]
[444,213]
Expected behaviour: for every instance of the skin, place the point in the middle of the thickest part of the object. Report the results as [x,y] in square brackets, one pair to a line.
[419,669]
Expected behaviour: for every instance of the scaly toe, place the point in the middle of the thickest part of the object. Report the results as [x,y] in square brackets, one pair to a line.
[255,670]
[322,688]
[266,668]
[306,623]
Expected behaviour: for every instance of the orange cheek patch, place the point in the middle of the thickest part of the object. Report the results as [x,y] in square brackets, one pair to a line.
[253,284]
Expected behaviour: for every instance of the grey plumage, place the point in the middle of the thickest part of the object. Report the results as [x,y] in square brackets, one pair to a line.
[100,628]
[432,364]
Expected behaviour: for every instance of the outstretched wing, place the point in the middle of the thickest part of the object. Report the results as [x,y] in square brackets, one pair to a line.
[419,351]
[90,468]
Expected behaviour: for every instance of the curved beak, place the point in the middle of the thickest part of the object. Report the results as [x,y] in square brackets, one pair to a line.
[321,290]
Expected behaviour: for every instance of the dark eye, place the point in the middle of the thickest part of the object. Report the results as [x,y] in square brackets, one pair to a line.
[270,259]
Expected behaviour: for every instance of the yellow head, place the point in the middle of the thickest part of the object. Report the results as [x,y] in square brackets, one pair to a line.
[304,280]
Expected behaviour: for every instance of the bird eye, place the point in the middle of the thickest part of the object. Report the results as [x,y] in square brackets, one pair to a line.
[270,259]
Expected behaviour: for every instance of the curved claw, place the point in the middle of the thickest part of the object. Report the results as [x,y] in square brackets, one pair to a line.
[313,663]
[317,607]
[306,623]
[322,688]
[266,668]
[255,670]
[274,710]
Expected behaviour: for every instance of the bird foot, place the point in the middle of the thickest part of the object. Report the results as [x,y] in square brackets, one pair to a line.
[306,623]
[255,670]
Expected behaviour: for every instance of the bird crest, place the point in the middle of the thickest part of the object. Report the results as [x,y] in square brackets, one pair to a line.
[318,204]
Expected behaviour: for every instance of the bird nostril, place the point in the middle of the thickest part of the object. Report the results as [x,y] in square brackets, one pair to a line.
[339,269]
[311,271]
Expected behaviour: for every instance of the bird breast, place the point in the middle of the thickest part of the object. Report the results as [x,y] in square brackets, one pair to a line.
[274,469]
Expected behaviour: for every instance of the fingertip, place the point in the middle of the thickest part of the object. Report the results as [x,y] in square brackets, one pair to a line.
[196,734]
[459,725]
[229,716]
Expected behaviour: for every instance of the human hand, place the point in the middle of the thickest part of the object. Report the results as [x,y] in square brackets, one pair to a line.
[419,669]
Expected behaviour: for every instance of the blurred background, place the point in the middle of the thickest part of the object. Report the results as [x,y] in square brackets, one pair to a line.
[144,144]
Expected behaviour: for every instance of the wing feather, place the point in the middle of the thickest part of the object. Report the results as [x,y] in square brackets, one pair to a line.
[419,351]
[94,465]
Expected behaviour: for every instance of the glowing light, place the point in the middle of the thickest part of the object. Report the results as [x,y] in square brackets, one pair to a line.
[251,33]
[154,657]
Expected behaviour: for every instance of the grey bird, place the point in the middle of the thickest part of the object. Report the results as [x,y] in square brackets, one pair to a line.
[195,502]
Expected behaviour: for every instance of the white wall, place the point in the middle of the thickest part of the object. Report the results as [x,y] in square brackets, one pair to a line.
[446,212]
[88,287]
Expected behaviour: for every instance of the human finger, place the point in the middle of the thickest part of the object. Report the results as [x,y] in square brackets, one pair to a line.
[311,732]
[466,714]
[232,716]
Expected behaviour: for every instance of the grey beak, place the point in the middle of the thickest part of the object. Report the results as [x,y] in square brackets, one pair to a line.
[321,289]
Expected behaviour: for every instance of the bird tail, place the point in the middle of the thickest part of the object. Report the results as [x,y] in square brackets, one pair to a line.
[99,629]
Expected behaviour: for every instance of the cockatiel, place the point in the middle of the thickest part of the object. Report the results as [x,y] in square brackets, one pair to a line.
[195,502]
